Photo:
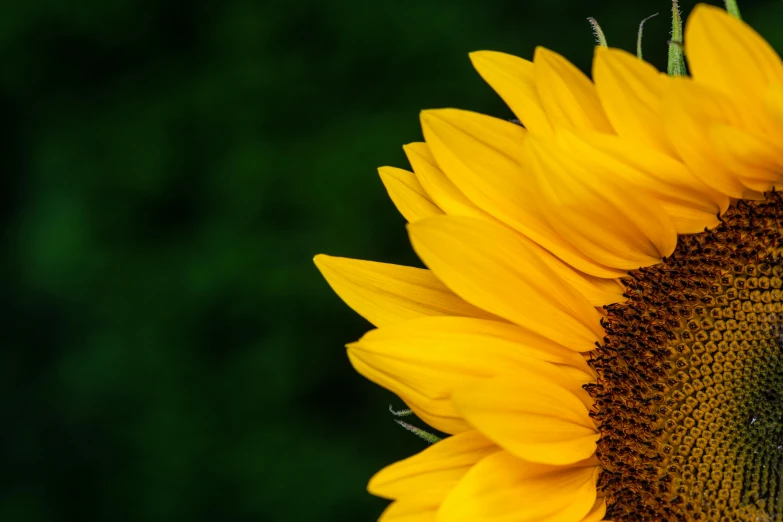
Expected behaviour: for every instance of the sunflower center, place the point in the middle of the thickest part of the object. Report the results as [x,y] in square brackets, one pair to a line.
[690,389]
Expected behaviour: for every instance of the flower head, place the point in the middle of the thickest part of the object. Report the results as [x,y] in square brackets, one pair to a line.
[598,329]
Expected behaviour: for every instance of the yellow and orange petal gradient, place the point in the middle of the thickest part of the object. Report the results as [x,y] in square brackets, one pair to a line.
[526,232]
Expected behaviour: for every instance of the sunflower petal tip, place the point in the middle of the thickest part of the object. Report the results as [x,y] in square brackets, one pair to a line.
[615,54]
[542,53]
[432,113]
[320,260]
[385,171]
[706,14]
[603,54]
[483,55]
[701,7]
[430,118]
[411,148]
[377,485]
[373,486]
[426,116]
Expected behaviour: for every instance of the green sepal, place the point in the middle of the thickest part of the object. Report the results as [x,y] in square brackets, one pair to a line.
[733,9]
[676,56]
[639,35]
[426,435]
[600,37]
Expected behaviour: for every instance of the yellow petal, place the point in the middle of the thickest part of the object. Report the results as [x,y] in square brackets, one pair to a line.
[493,268]
[689,220]
[386,294]
[407,194]
[689,110]
[773,103]
[443,347]
[482,156]
[435,470]
[502,488]
[728,55]
[503,345]
[437,412]
[599,215]
[756,161]
[533,415]
[410,510]
[442,191]
[690,203]
[425,360]
[630,91]
[598,291]
[597,513]
[514,80]
[568,96]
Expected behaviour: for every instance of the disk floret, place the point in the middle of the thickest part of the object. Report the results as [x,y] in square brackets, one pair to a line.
[691,376]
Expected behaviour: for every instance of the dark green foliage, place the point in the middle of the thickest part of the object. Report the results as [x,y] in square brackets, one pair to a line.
[169,351]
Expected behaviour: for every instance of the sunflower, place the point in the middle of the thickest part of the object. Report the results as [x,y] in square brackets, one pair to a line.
[598,329]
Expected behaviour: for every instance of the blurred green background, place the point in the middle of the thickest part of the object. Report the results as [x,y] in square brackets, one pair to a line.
[169,350]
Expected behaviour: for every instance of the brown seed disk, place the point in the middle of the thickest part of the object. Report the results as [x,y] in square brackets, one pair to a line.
[689,396]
